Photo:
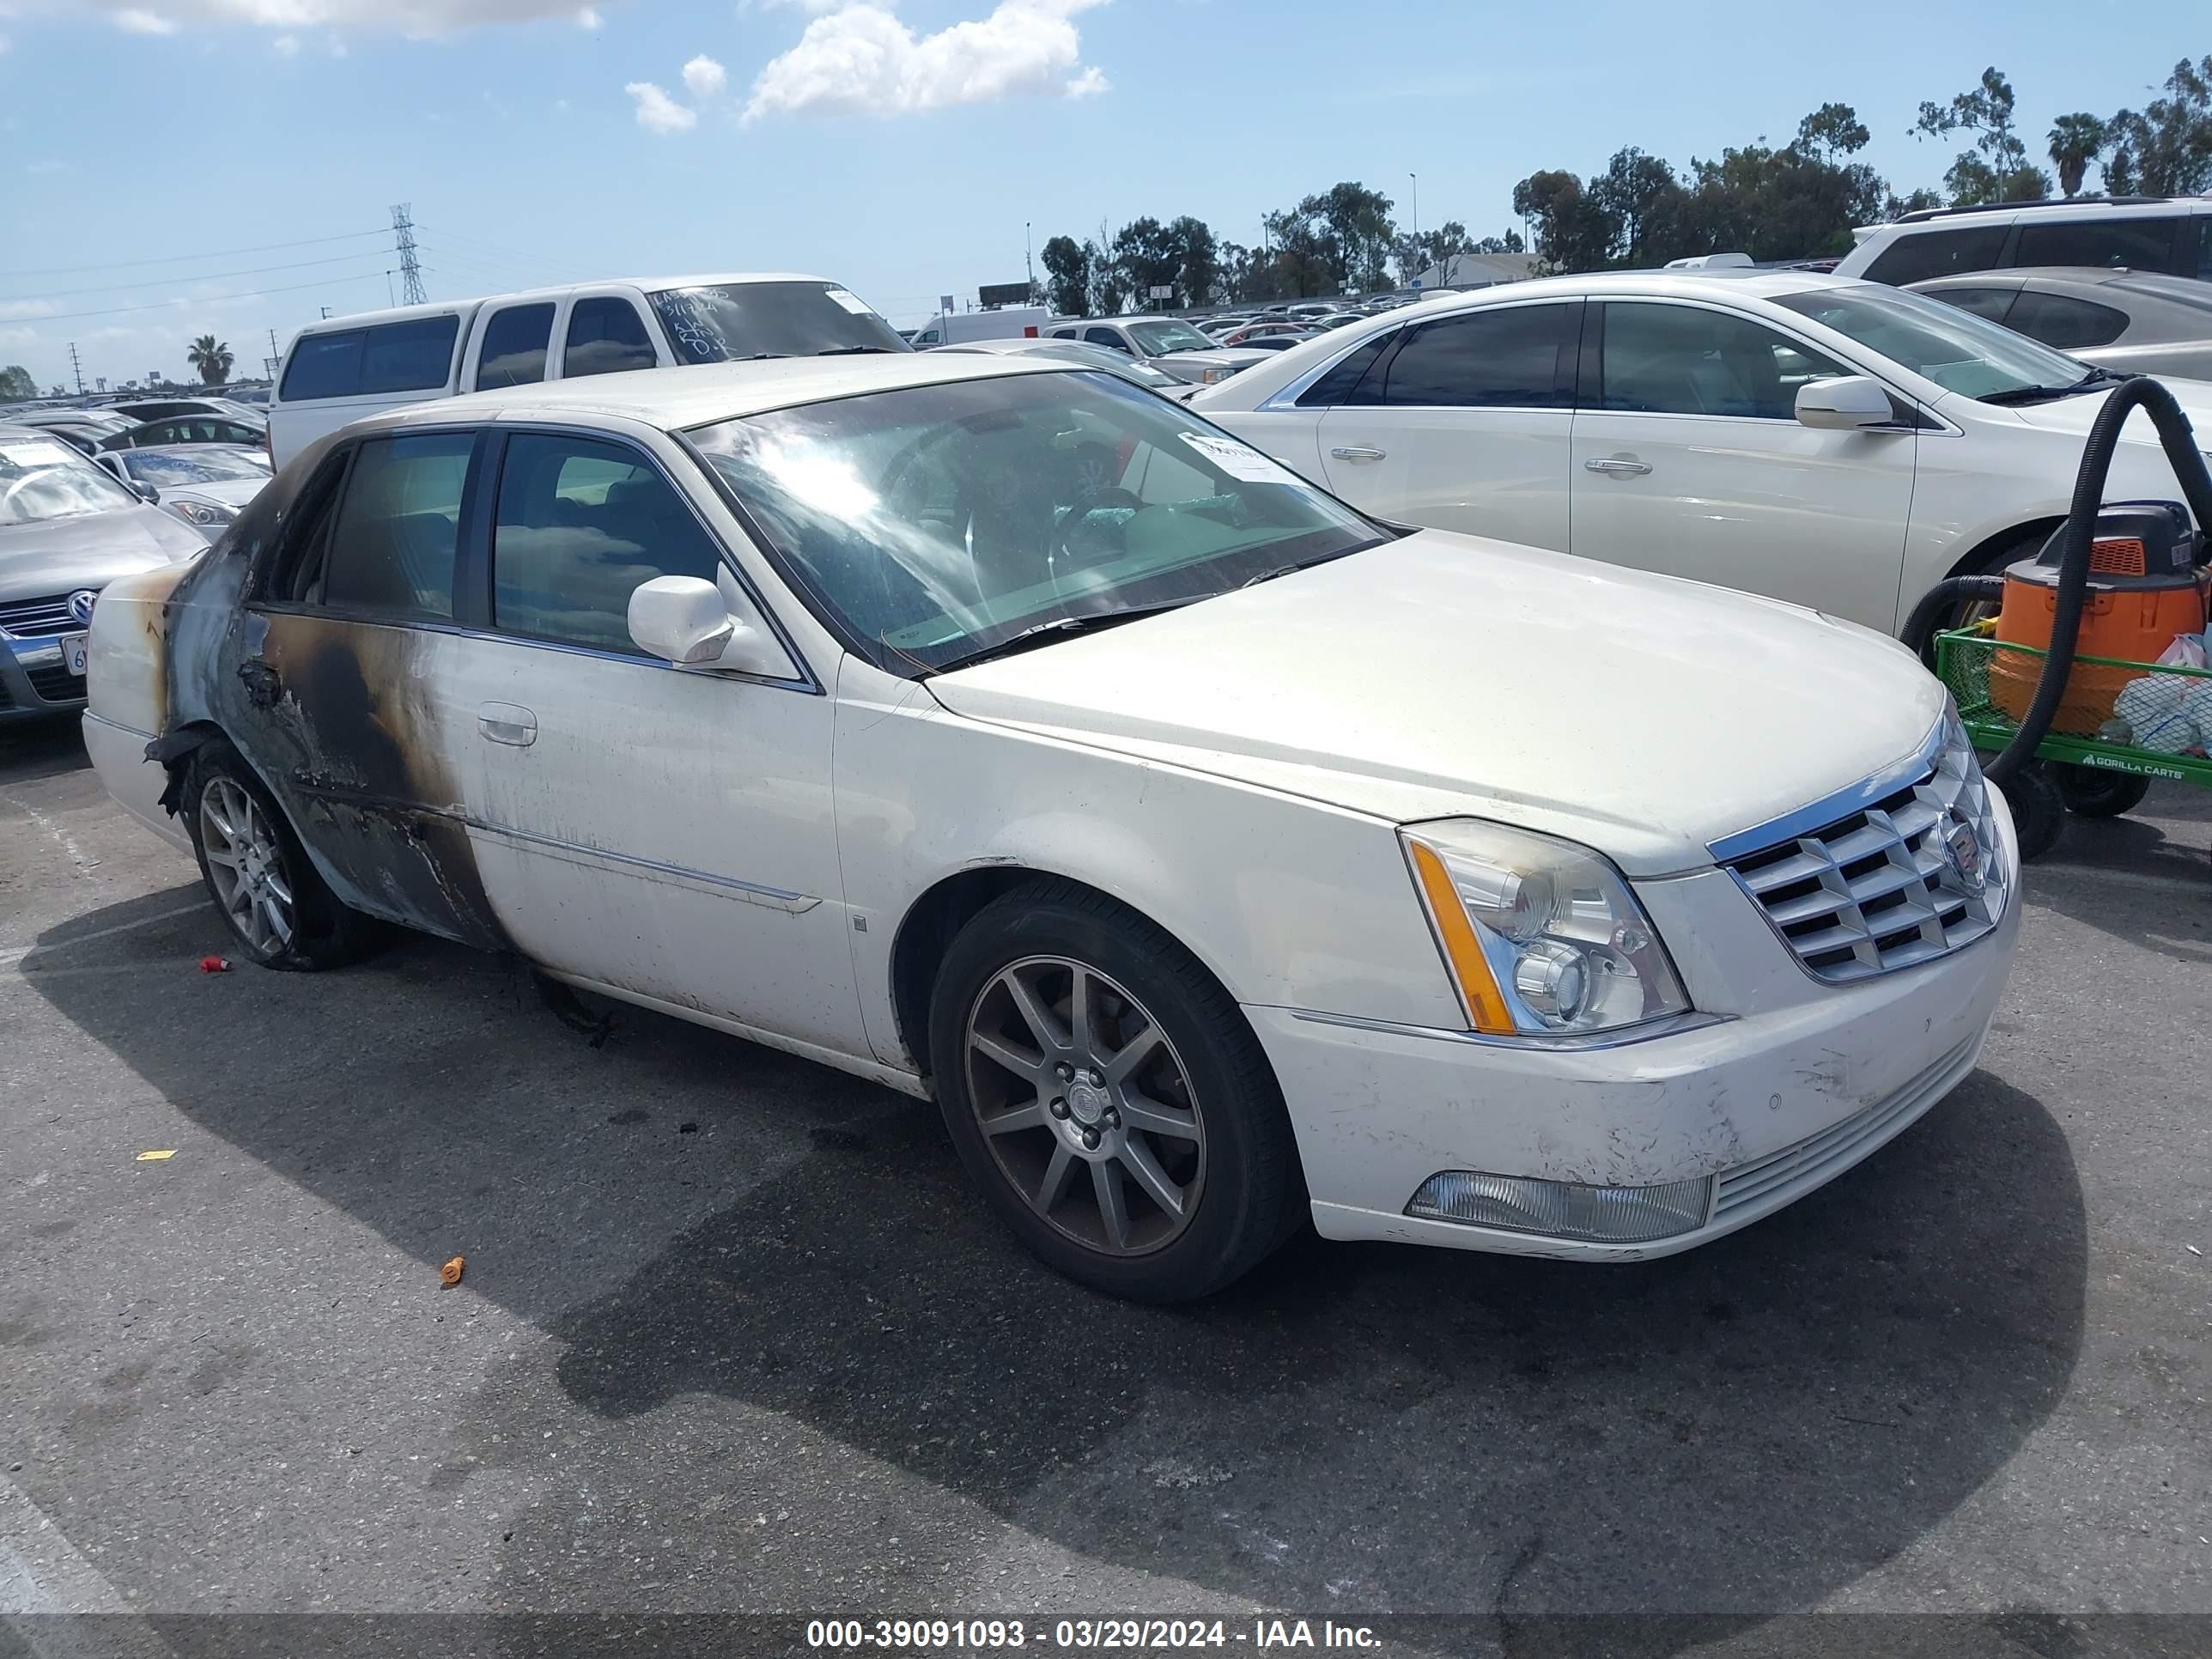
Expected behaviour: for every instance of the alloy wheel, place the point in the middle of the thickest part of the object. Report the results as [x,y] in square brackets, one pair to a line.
[1085,1106]
[246,866]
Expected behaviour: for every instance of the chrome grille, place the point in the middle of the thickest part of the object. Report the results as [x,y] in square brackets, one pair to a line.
[1913,870]
[32,619]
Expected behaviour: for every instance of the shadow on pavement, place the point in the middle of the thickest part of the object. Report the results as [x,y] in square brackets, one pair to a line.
[41,749]
[1743,1429]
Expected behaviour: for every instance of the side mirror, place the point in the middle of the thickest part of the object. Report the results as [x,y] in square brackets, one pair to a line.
[693,622]
[146,493]
[1847,402]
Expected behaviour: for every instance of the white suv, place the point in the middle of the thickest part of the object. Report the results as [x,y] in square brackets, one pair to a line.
[1842,445]
[2170,235]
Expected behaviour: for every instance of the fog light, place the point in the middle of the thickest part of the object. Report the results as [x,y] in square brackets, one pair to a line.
[1563,1209]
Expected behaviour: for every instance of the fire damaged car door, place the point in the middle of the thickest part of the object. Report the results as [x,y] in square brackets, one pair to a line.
[344,665]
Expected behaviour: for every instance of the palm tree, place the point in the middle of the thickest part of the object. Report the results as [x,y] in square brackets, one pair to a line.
[211,358]
[2075,141]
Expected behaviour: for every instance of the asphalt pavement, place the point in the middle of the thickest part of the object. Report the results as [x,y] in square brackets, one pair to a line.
[732,1336]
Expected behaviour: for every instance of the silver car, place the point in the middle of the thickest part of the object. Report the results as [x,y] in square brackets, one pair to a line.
[2132,322]
[67,529]
[203,484]
[1090,356]
[1167,343]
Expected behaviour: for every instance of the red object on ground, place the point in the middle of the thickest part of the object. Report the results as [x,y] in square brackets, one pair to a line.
[214,965]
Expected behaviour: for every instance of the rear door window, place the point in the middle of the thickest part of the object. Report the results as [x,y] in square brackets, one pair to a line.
[2112,244]
[1990,303]
[515,340]
[1341,385]
[410,357]
[605,337]
[391,547]
[1919,254]
[581,524]
[323,366]
[1504,358]
[2062,321]
[2199,263]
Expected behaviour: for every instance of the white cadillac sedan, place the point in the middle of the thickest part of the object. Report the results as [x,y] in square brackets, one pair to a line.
[1214,855]
[1841,445]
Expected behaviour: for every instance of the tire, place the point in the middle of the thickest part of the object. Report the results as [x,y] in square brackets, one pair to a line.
[2038,810]
[1165,1079]
[2090,792]
[313,930]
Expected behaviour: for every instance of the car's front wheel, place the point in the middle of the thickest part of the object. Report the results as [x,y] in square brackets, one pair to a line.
[274,901]
[1109,1097]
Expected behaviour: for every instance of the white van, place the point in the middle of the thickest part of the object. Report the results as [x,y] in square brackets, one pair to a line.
[966,327]
[344,367]
[2171,235]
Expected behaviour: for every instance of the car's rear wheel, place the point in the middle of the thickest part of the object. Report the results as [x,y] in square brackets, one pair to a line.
[275,902]
[1109,1098]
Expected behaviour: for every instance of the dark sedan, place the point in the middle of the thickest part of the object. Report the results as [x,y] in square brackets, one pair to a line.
[2132,322]
[67,529]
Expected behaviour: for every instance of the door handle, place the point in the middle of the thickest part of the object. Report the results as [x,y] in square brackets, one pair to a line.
[1624,469]
[1358,453]
[262,682]
[508,723]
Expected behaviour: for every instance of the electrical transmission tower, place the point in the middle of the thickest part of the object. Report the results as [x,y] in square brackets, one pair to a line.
[411,268]
[76,369]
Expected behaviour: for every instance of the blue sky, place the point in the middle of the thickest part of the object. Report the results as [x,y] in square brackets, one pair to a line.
[898,146]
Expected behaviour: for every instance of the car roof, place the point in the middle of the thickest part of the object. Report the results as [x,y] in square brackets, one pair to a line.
[675,399]
[553,291]
[1673,284]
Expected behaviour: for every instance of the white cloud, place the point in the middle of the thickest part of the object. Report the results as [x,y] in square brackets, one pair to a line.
[705,78]
[657,111]
[40,168]
[285,46]
[588,18]
[15,310]
[412,17]
[1089,84]
[862,59]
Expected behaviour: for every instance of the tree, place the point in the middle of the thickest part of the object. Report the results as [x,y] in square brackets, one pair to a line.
[2165,151]
[1573,233]
[1069,274]
[17,385]
[1634,189]
[1996,169]
[1832,130]
[1109,286]
[1353,235]
[1510,242]
[1896,207]
[1199,281]
[211,360]
[2075,143]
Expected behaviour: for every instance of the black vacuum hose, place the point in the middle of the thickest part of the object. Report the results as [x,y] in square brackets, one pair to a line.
[2079,532]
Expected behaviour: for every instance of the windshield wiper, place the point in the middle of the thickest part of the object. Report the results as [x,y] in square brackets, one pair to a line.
[2039,394]
[848,351]
[1045,633]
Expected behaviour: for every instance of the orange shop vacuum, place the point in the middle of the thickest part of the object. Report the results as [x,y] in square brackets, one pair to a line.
[2144,588]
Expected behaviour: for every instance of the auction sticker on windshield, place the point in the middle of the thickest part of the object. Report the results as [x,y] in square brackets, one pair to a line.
[852,302]
[36,452]
[1240,461]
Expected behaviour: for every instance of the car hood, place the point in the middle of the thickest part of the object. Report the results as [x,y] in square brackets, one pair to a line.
[229,492]
[1444,675]
[90,550]
[2074,416]
[1188,365]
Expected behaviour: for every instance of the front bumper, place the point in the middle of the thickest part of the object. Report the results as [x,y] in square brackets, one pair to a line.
[35,683]
[1796,1082]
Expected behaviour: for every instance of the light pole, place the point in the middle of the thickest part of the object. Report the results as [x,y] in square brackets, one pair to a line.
[1414,179]
[1028,265]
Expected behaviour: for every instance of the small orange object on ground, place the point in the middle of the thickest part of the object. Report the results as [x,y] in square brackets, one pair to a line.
[214,965]
[450,1273]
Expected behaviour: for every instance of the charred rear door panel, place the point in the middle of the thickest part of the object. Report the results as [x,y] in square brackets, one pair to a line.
[339,669]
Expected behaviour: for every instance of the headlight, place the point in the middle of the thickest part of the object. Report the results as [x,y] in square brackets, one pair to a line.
[1542,937]
[201,515]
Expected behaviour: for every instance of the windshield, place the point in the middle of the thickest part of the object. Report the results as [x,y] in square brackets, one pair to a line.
[208,466]
[1958,350]
[40,479]
[1162,339]
[736,320]
[940,522]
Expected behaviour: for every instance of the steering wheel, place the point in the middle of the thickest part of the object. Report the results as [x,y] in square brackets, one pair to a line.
[13,489]
[1081,540]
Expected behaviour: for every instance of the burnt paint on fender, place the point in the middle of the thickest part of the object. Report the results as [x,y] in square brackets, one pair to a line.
[348,744]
